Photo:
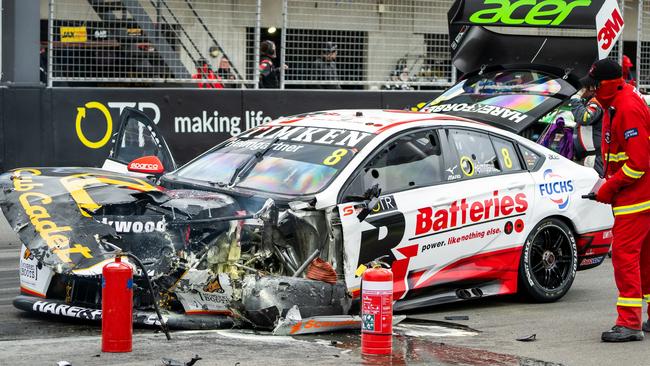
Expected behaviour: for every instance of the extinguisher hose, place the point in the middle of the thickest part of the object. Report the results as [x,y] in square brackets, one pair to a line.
[163,324]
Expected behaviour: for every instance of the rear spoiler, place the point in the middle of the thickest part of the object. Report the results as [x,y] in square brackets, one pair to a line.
[473,46]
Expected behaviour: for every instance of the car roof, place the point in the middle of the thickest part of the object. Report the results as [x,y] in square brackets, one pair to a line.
[375,121]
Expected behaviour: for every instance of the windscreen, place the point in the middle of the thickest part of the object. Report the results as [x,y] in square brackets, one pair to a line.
[299,161]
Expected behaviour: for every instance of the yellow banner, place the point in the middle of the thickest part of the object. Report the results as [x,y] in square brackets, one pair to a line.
[74,34]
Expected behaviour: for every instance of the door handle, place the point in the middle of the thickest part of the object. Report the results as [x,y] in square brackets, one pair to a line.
[517,185]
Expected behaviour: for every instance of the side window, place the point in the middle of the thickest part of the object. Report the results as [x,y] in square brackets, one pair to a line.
[530,157]
[507,155]
[412,161]
[475,152]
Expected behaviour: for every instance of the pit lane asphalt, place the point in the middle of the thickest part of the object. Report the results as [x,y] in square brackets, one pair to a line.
[568,332]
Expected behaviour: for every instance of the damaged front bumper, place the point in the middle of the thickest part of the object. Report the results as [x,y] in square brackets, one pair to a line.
[214,261]
[264,301]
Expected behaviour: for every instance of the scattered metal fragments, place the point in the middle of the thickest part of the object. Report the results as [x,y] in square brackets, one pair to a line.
[457,317]
[172,362]
[294,324]
[530,338]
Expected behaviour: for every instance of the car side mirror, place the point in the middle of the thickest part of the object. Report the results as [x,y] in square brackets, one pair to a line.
[147,165]
[372,196]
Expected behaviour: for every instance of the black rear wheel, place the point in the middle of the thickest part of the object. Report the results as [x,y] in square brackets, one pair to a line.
[548,262]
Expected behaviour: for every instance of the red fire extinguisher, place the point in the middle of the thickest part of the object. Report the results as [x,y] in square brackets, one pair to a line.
[377,311]
[117,307]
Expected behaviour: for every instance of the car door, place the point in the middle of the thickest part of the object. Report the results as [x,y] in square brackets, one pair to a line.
[411,170]
[455,230]
[138,137]
[494,198]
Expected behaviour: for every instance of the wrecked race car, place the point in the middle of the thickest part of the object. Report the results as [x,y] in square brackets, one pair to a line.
[287,216]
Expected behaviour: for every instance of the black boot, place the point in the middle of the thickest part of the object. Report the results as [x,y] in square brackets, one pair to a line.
[646,327]
[622,334]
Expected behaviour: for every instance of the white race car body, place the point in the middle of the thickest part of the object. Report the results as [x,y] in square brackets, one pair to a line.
[455,230]
[451,205]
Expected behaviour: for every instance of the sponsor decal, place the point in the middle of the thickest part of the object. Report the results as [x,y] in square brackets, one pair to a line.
[632,132]
[501,112]
[385,204]
[526,12]
[214,286]
[315,135]
[452,240]
[452,173]
[141,225]
[134,32]
[34,277]
[556,188]
[101,34]
[104,110]
[457,40]
[467,166]
[147,164]
[591,261]
[28,271]
[73,34]
[35,205]
[208,122]
[81,114]
[430,221]
[66,310]
[214,298]
[76,186]
[318,324]
[609,26]
[255,145]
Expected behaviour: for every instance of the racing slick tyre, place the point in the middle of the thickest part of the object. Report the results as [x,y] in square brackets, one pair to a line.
[549,261]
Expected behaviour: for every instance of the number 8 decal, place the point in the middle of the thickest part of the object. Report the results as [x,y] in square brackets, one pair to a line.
[506,158]
[336,156]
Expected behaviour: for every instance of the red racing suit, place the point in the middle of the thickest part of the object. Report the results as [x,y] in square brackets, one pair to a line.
[205,72]
[626,155]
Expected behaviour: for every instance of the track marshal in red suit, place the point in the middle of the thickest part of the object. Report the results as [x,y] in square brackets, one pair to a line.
[626,157]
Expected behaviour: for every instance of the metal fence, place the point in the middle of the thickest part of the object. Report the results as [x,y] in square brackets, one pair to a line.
[392,44]
[369,44]
[643,44]
[153,41]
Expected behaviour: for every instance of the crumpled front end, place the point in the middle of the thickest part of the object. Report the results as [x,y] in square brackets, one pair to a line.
[212,262]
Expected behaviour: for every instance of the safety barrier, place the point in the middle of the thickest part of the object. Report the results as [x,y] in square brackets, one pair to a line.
[73,126]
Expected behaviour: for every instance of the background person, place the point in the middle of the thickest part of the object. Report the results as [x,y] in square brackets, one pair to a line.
[269,73]
[588,114]
[628,75]
[203,72]
[626,151]
[225,72]
[324,67]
